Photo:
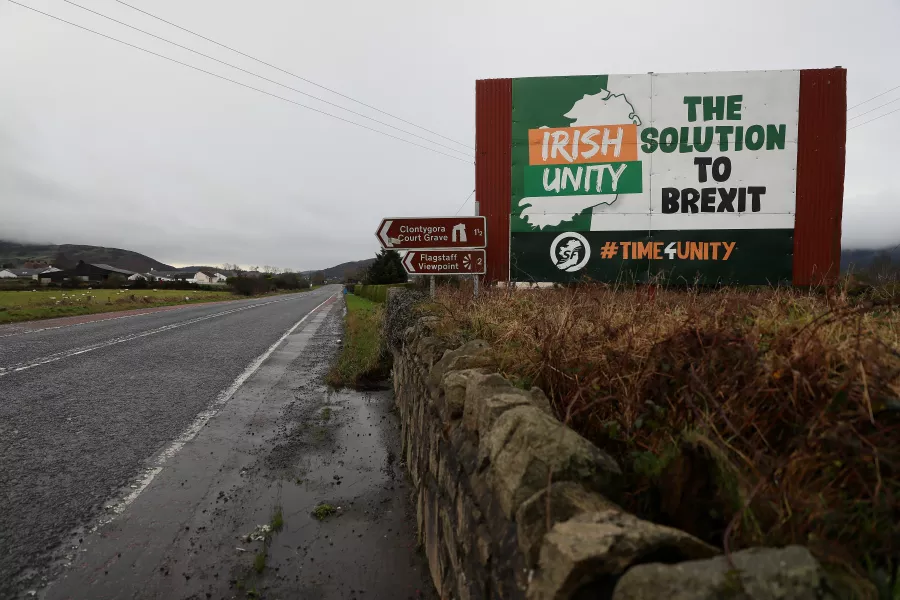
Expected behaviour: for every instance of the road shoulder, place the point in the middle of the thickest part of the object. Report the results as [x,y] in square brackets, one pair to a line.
[284,444]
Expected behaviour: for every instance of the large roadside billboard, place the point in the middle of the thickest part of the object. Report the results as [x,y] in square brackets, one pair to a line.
[627,176]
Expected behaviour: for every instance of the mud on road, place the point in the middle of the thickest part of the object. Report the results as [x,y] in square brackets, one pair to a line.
[291,491]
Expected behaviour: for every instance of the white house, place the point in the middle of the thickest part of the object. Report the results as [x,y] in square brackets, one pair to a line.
[7,274]
[148,277]
[208,277]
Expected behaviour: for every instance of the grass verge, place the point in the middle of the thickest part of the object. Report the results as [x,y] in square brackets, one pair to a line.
[361,361]
[746,417]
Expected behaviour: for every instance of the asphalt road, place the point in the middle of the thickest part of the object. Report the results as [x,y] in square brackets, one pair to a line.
[74,428]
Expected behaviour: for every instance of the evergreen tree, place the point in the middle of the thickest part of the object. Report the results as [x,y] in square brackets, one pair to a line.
[387,268]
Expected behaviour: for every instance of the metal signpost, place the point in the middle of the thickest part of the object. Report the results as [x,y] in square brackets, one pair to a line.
[437,245]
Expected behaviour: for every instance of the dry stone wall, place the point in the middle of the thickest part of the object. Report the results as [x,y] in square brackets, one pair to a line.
[511,503]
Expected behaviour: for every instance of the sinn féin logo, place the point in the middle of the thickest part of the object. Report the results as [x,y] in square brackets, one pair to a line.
[570,251]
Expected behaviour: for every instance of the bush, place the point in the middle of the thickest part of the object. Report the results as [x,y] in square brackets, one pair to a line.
[376,293]
[290,281]
[114,281]
[250,286]
[18,284]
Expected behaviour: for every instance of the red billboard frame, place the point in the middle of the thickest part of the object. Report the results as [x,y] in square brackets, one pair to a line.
[821,151]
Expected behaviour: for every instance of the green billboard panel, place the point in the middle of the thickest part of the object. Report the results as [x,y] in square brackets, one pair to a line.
[705,257]
[659,160]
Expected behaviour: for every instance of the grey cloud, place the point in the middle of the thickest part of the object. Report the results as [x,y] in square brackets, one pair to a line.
[871,220]
[102,144]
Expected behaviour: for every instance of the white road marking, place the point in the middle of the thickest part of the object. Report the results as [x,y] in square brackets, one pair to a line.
[194,428]
[126,338]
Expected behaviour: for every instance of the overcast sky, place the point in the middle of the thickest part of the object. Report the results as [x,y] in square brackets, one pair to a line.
[103,144]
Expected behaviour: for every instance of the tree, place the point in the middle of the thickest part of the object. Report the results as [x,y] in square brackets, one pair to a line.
[290,281]
[318,278]
[353,275]
[387,268]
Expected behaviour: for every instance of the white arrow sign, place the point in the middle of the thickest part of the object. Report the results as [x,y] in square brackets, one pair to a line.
[384,236]
[407,262]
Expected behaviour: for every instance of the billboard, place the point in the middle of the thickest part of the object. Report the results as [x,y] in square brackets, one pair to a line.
[691,175]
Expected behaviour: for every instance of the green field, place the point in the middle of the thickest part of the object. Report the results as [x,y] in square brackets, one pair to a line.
[27,305]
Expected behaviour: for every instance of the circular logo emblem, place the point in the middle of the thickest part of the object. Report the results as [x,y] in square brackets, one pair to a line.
[570,251]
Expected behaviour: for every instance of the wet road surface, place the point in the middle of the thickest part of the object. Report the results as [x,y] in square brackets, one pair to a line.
[142,457]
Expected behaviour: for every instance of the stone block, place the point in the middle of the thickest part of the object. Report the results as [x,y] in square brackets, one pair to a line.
[429,350]
[471,355]
[420,517]
[468,516]
[453,399]
[447,474]
[588,553]
[566,499]
[482,544]
[525,445]
[431,537]
[448,534]
[539,399]
[485,404]
[758,574]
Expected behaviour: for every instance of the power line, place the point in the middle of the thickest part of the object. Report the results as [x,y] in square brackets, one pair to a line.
[874,109]
[873,97]
[265,78]
[309,81]
[466,201]
[875,119]
[238,82]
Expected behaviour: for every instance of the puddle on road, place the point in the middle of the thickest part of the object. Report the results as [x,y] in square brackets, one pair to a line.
[367,547]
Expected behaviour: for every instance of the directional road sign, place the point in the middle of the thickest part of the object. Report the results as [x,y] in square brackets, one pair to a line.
[406,233]
[444,262]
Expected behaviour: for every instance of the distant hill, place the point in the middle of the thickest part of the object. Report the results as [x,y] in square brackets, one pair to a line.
[68,255]
[860,259]
[338,271]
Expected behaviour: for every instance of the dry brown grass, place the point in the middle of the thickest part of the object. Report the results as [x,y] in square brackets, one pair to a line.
[746,417]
